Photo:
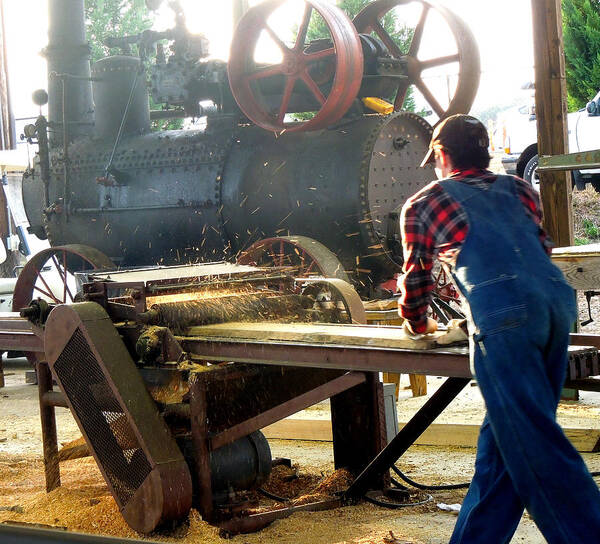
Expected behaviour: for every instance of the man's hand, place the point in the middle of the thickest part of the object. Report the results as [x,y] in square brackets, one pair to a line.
[431,327]
[455,332]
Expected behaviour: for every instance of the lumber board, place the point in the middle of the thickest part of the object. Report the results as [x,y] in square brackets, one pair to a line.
[315,333]
[582,273]
[444,434]
[586,250]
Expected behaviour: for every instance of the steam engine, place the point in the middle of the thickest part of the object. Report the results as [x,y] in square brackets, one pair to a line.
[104,178]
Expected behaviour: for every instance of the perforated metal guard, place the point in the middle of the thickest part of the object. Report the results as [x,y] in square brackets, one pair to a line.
[105,423]
[135,450]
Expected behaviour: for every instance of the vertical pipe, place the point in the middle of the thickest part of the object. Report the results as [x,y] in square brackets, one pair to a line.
[6,117]
[68,53]
[240,7]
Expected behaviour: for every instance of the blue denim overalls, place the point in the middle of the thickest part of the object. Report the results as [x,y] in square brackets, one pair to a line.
[521,312]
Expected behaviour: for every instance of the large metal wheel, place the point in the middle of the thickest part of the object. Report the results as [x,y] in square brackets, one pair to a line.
[49,274]
[331,75]
[336,298]
[304,257]
[466,55]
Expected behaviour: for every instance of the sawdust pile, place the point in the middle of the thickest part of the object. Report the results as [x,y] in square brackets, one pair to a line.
[301,488]
[84,504]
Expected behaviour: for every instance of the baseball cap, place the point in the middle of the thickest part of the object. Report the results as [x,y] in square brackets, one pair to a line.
[457,132]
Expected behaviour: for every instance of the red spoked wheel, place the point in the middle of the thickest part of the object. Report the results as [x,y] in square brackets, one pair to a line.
[466,55]
[324,76]
[336,298]
[49,274]
[304,257]
[445,303]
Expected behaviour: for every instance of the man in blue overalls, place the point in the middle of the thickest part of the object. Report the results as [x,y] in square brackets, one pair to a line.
[485,229]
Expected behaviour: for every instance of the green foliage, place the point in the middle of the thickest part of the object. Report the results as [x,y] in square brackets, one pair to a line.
[109,18]
[116,18]
[590,229]
[581,31]
[400,34]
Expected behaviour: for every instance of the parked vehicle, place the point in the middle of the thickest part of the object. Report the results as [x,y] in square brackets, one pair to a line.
[520,142]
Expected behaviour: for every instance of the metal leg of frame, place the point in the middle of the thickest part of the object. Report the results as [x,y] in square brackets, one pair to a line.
[406,437]
[49,437]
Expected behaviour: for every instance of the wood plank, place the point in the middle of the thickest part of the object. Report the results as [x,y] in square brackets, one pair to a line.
[418,384]
[586,250]
[315,333]
[582,273]
[584,440]
[551,113]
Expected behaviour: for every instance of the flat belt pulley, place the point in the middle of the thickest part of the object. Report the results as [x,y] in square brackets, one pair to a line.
[466,55]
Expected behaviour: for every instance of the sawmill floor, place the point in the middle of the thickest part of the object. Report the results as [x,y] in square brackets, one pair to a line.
[83,503]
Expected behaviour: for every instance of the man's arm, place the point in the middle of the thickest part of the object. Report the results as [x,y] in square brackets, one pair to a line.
[531,201]
[416,283]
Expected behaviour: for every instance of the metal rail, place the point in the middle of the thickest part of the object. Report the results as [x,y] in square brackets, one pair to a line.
[12,534]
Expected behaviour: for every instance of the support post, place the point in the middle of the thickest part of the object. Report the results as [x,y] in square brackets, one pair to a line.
[551,114]
[199,424]
[49,437]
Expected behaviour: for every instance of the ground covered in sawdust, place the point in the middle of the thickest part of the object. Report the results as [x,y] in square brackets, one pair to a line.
[84,504]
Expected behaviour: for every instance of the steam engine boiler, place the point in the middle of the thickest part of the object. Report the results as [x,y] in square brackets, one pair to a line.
[143,197]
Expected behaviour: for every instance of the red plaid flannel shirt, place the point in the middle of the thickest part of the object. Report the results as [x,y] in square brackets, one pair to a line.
[434,224]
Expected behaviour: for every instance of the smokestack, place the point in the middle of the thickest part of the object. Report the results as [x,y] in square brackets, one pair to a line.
[68,56]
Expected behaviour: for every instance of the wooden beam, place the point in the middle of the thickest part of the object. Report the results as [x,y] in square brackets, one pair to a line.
[551,111]
[584,440]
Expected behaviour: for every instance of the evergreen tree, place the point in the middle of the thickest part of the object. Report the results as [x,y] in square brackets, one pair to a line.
[581,31]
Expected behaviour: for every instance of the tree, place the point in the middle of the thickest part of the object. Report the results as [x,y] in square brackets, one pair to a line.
[109,18]
[115,18]
[581,31]
[401,35]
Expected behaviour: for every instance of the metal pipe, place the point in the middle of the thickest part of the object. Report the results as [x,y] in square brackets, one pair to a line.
[68,53]
[240,7]
[10,534]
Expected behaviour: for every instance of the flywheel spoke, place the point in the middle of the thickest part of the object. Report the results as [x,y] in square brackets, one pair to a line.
[313,87]
[285,100]
[301,38]
[418,33]
[439,61]
[262,73]
[431,100]
[284,48]
[387,40]
[312,57]
[46,294]
[401,94]
[50,292]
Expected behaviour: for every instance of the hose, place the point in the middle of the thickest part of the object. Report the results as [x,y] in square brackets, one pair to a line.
[427,487]
[369,497]
[272,496]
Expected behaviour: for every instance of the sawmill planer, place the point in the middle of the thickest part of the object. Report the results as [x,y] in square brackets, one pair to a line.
[167,429]
[172,372]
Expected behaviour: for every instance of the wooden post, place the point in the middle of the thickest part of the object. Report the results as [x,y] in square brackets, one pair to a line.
[551,112]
